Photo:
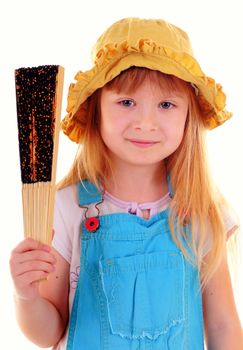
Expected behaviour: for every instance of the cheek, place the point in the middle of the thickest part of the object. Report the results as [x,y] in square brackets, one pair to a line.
[106,125]
[112,125]
[179,131]
[180,124]
[109,131]
[105,132]
[175,132]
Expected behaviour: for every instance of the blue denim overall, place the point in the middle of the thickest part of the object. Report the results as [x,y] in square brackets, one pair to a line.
[136,291]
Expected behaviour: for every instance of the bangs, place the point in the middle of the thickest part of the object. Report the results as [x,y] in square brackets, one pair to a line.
[129,81]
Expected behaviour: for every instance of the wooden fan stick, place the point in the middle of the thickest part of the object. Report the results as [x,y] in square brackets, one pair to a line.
[39,97]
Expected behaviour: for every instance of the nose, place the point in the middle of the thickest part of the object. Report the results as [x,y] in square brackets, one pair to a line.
[146,120]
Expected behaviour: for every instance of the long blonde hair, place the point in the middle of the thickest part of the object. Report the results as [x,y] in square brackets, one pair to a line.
[196,202]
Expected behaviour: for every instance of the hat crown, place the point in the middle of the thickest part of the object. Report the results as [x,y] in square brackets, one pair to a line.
[133,29]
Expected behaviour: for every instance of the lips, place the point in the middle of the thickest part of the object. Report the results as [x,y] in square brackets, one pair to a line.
[143,143]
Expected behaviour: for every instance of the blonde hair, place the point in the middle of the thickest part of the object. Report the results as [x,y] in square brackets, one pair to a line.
[196,202]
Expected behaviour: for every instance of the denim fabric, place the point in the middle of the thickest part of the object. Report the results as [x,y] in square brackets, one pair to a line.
[136,291]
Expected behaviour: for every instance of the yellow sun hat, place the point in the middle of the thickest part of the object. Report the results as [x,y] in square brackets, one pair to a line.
[150,43]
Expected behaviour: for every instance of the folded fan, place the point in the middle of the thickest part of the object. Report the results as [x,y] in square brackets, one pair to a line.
[38,97]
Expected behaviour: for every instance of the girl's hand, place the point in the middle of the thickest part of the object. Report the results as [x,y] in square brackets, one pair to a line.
[30,262]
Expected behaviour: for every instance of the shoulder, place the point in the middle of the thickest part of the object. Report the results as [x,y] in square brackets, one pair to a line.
[67,195]
[66,203]
[230,219]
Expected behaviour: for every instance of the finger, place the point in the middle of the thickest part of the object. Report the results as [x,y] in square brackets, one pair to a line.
[39,255]
[31,266]
[27,279]
[17,261]
[30,244]
[36,255]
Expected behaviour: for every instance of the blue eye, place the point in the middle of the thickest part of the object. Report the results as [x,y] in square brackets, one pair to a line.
[127,103]
[166,105]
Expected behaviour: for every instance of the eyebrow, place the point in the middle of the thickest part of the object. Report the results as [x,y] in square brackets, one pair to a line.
[173,95]
[162,96]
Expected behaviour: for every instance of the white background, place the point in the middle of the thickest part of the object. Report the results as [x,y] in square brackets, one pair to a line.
[62,32]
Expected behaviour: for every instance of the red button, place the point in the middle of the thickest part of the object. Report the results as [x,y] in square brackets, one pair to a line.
[91,224]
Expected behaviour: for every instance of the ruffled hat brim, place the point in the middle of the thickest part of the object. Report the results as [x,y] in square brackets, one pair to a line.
[112,59]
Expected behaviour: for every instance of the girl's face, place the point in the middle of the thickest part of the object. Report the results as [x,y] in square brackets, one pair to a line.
[145,126]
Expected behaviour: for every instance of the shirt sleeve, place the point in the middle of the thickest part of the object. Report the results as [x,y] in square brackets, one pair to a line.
[61,240]
[231,221]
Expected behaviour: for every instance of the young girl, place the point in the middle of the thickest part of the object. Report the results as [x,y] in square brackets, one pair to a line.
[139,252]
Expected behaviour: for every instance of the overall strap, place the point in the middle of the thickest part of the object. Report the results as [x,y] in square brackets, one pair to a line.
[88,193]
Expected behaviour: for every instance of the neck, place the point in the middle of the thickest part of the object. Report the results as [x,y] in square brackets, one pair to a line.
[138,184]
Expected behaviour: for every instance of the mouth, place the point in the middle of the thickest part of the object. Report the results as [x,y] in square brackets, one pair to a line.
[142,143]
